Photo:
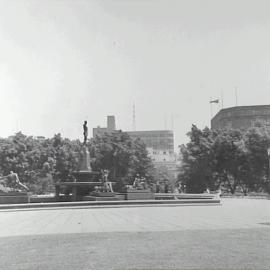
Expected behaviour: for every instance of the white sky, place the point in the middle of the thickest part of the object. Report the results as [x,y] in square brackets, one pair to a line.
[63,62]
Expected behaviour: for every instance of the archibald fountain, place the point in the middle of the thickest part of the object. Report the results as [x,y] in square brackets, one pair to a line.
[87,183]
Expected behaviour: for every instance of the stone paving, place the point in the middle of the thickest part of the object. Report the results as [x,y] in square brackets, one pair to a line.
[234,235]
[232,214]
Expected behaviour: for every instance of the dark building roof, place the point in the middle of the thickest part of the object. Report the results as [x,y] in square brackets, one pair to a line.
[241,117]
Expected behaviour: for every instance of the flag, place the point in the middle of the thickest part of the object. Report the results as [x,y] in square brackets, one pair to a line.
[214,101]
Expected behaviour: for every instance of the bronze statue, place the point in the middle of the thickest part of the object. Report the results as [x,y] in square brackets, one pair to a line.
[136,182]
[104,174]
[107,186]
[85,132]
[11,182]
[139,183]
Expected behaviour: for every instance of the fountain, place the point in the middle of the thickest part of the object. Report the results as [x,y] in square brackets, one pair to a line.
[87,183]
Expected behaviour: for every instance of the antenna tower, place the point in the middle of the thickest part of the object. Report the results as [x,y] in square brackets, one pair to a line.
[134,118]
[236,96]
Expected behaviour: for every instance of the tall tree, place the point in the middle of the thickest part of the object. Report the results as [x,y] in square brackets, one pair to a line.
[257,141]
[198,160]
[231,158]
[122,156]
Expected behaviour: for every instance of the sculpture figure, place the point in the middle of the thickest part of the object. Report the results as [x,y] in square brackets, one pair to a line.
[85,132]
[11,182]
[136,182]
[106,185]
[139,183]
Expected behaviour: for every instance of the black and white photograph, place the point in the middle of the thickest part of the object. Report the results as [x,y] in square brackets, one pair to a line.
[134,134]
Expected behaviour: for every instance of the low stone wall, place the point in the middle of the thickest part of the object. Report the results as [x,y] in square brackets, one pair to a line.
[37,199]
[13,199]
[139,195]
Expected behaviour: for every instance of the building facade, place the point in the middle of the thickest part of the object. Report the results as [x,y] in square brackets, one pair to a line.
[241,117]
[159,143]
[160,146]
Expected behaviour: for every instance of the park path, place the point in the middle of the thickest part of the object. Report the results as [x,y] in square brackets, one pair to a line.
[232,214]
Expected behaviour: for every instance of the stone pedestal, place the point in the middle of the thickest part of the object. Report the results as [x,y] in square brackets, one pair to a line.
[85,180]
[85,160]
[85,173]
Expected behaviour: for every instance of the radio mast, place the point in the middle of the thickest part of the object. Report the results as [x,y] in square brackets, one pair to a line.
[134,118]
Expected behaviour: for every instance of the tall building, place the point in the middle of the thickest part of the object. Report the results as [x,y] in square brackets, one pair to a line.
[159,143]
[160,146]
[111,123]
[110,127]
[241,117]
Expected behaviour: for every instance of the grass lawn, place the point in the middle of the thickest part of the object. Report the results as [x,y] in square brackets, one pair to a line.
[187,249]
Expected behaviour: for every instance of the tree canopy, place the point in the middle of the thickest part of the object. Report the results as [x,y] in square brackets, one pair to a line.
[41,162]
[123,156]
[228,158]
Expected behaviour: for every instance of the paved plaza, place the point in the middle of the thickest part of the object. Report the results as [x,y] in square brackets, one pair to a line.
[234,235]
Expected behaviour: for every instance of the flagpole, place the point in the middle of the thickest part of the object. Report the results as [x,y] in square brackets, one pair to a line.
[236,96]
[221,99]
[211,108]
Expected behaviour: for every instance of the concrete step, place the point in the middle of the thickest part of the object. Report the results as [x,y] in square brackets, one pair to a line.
[125,203]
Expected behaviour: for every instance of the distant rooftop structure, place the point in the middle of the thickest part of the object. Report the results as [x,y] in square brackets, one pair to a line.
[40,137]
[241,117]
[110,127]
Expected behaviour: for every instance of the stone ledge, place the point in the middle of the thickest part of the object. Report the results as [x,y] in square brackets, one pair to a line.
[14,199]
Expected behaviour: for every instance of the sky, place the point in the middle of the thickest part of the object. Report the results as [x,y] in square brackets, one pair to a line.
[63,62]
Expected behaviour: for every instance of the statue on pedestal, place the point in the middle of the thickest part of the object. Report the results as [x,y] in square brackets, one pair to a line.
[85,155]
[85,132]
